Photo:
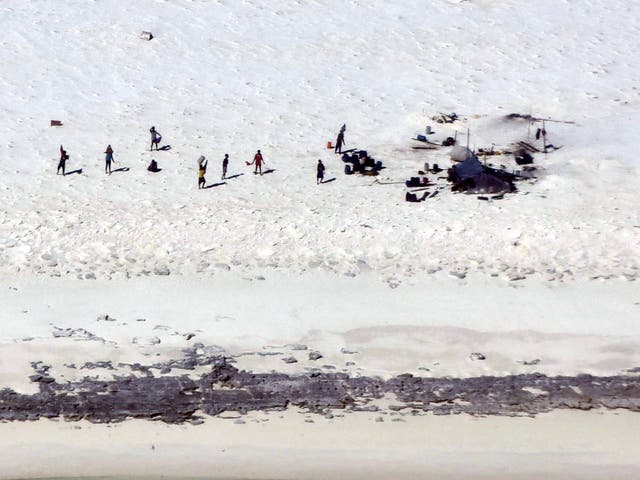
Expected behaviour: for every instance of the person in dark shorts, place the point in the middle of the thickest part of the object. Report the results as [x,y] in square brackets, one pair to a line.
[63,161]
[340,140]
[155,138]
[225,164]
[319,172]
[108,158]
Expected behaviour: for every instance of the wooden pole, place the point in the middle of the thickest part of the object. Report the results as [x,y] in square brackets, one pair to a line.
[544,139]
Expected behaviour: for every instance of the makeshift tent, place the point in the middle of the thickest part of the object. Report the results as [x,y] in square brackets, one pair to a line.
[469,168]
[473,177]
[483,183]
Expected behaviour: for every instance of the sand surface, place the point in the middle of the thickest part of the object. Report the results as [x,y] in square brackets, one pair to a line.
[221,78]
[541,281]
[428,327]
[563,445]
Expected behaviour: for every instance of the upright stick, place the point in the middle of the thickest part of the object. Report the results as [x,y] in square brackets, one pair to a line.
[544,139]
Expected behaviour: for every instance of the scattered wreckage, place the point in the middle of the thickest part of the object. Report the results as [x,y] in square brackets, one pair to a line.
[471,175]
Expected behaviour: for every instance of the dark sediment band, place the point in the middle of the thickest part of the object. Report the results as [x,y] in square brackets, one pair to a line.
[181,398]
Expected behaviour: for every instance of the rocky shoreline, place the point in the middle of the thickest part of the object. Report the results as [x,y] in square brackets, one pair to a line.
[155,392]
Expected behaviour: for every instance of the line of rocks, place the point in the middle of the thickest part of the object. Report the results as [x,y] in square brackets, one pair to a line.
[180,398]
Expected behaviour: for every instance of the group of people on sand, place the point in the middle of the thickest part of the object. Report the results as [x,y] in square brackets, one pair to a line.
[156,137]
[108,155]
[258,161]
[108,160]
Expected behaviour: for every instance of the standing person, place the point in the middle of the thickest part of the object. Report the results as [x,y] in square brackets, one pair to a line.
[202,170]
[155,138]
[319,173]
[259,161]
[63,161]
[340,140]
[108,158]
[225,164]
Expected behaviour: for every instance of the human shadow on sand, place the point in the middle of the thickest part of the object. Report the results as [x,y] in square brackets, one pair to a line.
[121,169]
[271,170]
[78,171]
[164,148]
[329,180]
[215,185]
[234,176]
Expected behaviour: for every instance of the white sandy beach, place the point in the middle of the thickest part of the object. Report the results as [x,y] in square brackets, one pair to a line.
[562,445]
[384,337]
[220,79]
[423,328]
[257,267]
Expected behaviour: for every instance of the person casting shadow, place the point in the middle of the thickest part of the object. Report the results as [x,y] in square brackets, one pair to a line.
[340,140]
[258,161]
[153,167]
[202,170]
[155,138]
[63,161]
[108,158]
[225,164]
[319,172]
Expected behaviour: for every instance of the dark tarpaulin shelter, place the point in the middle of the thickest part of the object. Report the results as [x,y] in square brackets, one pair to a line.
[471,167]
[472,177]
